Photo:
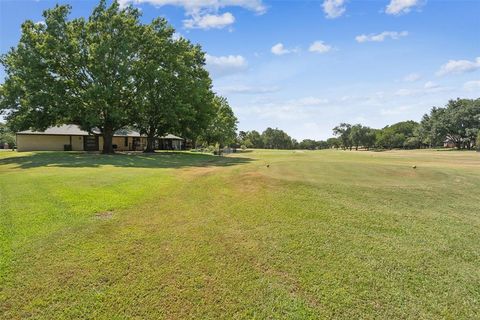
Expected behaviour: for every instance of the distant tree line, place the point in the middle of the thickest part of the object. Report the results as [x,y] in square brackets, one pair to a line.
[109,72]
[279,139]
[457,124]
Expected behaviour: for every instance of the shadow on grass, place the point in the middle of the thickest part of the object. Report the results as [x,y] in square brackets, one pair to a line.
[135,160]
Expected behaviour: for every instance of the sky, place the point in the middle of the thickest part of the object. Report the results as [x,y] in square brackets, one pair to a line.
[306,66]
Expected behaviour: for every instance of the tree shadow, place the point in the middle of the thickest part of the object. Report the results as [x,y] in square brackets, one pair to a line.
[131,160]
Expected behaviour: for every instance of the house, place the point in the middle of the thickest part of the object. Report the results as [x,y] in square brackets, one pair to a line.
[71,137]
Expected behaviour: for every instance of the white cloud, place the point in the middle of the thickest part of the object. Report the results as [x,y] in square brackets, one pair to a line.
[242,89]
[430,85]
[412,77]
[279,49]
[397,7]
[225,65]
[381,36]
[459,66]
[294,109]
[334,8]
[319,47]
[472,85]
[203,14]
[428,88]
[209,21]
[308,102]
[195,6]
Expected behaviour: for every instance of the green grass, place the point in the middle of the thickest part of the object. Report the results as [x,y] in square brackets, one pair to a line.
[317,234]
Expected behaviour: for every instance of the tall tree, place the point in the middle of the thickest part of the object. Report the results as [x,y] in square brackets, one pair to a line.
[222,129]
[173,87]
[78,71]
[342,131]
[276,139]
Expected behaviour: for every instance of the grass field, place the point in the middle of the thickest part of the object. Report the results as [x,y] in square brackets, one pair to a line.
[317,234]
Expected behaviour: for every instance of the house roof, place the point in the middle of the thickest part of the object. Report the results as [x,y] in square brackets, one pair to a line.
[171,136]
[66,129]
[74,130]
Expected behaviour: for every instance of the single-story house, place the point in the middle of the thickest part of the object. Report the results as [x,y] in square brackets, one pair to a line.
[71,137]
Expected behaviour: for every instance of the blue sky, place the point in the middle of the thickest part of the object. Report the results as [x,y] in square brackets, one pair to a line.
[305,66]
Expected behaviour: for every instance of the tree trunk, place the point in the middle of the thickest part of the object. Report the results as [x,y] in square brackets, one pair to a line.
[107,141]
[150,144]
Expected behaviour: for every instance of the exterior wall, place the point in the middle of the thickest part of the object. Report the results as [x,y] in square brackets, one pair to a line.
[34,142]
[120,142]
[77,143]
[40,142]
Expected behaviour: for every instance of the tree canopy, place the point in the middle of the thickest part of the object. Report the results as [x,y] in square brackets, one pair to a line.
[107,72]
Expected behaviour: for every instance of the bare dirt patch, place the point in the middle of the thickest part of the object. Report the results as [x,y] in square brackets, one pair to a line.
[105,215]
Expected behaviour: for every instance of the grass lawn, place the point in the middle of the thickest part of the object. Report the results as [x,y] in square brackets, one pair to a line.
[317,234]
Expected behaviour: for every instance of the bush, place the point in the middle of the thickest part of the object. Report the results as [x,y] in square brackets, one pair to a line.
[478,141]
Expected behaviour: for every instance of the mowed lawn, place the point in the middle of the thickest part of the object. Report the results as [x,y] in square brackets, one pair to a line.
[316,235]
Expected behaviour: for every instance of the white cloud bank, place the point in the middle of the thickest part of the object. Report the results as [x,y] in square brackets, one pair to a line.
[319,47]
[334,8]
[203,14]
[225,65]
[209,21]
[397,7]
[459,66]
[380,37]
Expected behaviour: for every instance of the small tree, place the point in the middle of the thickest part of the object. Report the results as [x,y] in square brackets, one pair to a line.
[6,136]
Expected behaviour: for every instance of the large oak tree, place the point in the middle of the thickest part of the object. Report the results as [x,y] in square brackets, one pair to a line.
[105,73]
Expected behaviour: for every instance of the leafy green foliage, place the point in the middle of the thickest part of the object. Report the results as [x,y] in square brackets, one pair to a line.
[222,128]
[6,136]
[106,72]
[276,139]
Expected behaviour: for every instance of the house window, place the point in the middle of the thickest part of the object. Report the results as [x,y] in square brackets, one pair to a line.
[126,141]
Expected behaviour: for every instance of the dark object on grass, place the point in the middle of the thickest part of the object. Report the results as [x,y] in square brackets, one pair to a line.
[268,166]
[414,167]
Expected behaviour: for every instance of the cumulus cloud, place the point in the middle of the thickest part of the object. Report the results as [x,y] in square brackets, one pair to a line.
[381,36]
[473,85]
[334,8]
[397,7]
[459,66]
[412,77]
[319,47]
[209,21]
[203,14]
[192,6]
[224,65]
[279,49]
